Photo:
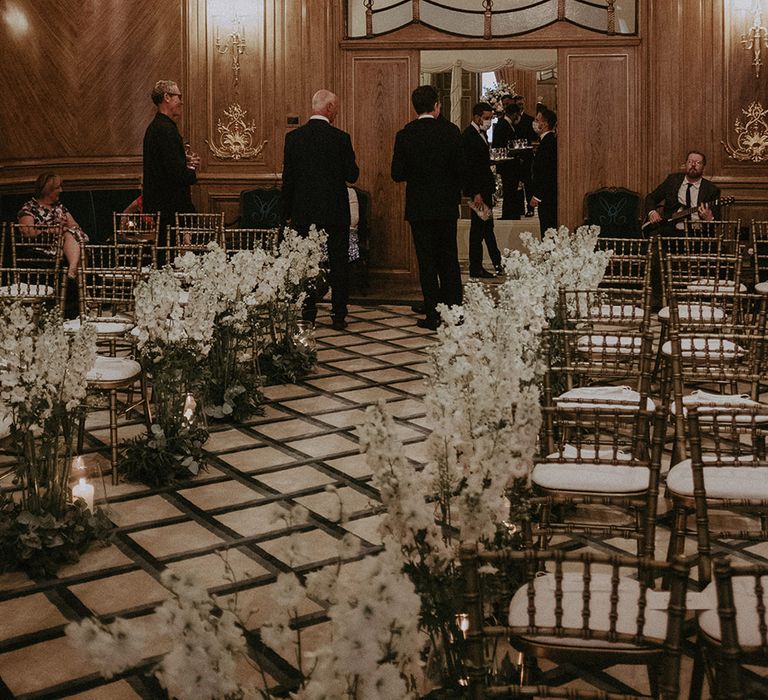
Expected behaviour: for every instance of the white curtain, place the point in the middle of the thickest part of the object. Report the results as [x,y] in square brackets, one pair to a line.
[484,61]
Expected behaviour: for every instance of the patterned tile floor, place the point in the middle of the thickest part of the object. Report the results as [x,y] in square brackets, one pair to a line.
[304,442]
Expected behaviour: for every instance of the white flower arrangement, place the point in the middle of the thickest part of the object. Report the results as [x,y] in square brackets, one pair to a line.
[43,367]
[493,95]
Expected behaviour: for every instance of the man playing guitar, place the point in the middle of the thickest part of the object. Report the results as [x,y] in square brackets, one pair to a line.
[686,193]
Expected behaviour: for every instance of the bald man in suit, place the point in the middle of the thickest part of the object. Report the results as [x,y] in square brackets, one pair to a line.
[318,162]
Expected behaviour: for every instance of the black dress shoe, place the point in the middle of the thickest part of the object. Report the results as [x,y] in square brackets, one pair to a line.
[481,274]
[499,270]
[530,213]
[338,324]
[418,308]
[430,323]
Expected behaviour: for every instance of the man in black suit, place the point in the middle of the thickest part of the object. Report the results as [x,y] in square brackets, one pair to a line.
[168,172]
[479,186]
[511,171]
[526,131]
[544,172]
[683,191]
[427,157]
[318,162]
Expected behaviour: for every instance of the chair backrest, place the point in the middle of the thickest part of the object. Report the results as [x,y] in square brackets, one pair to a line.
[108,277]
[700,263]
[260,208]
[32,263]
[728,468]
[605,308]
[727,231]
[630,264]
[131,228]
[615,210]
[200,222]
[602,599]
[759,247]
[742,610]
[251,239]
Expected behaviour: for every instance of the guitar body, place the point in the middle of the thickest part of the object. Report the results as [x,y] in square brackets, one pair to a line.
[651,227]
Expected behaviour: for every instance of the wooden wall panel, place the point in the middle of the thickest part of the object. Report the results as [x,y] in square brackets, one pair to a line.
[76,77]
[380,88]
[597,126]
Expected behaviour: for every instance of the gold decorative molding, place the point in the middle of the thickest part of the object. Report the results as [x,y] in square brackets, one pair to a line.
[234,44]
[236,137]
[751,137]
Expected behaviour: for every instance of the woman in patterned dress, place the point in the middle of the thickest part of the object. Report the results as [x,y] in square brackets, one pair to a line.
[46,209]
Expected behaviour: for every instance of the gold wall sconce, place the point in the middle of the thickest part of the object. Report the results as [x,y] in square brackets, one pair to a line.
[756,37]
[234,44]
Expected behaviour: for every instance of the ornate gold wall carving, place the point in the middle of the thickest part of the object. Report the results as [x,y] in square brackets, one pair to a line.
[751,136]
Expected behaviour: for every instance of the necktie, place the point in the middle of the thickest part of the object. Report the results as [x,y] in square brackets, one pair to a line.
[688,198]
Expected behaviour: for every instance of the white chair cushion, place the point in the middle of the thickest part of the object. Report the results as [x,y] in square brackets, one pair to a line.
[590,477]
[694,312]
[113,369]
[598,343]
[720,402]
[103,326]
[26,290]
[600,608]
[709,284]
[743,481]
[591,397]
[704,348]
[747,618]
[762,287]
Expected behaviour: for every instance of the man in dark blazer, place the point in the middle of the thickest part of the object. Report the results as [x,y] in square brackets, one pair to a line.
[544,171]
[318,162]
[168,171]
[479,186]
[427,157]
[684,190]
[511,171]
[526,131]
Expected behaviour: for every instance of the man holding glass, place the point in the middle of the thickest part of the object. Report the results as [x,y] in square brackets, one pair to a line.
[168,170]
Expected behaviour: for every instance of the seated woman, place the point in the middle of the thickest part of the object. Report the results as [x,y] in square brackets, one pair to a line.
[46,209]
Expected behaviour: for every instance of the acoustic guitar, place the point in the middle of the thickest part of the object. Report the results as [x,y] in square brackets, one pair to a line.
[686,212]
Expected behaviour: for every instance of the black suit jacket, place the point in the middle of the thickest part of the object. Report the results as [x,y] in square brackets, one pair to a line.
[478,177]
[503,133]
[544,175]
[525,128]
[427,157]
[318,162]
[667,191]
[166,176]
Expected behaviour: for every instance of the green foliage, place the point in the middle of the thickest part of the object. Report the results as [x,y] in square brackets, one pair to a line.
[40,544]
[158,459]
[236,401]
[285,361]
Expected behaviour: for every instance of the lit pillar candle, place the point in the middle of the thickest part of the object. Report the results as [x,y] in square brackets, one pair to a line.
[85,491]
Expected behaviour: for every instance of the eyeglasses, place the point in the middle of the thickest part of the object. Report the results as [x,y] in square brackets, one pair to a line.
[174,94]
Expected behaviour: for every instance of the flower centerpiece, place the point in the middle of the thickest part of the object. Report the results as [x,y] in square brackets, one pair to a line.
[174,333]
[286,348]
[493,95]
[43,372]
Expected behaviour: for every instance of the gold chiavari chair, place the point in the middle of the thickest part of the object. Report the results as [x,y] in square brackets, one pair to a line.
[136,228]
[597,476]
[213,224]
[266,239]
[584,608]
[724,482]
[630,264]
[108,275]
[733,634]
[32,264]
[759,249]
[723,366]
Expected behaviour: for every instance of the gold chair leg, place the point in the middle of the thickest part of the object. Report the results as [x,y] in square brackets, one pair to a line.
[113,434]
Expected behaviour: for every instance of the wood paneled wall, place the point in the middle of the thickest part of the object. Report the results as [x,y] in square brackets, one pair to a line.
[76,77]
